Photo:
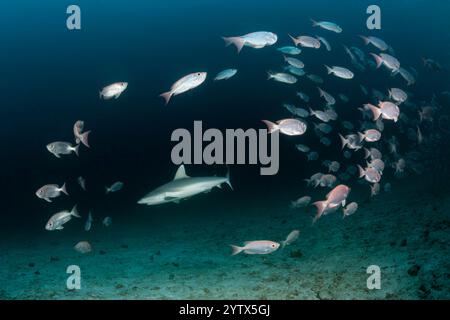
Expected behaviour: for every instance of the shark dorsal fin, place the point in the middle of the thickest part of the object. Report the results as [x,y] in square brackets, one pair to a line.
[181,173]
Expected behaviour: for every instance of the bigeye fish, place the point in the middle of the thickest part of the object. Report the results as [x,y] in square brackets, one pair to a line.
[290,127]
[300,202]
[410,80]
[350,209]
[325,42]
[256,247]
[321,115]
[312,156]
[57,221]
[295,71]
[291,238]
[387,110]
[389,61]
[107,221]
[328,97]
[290,50]
[398,95]
[113,90]
[294,62]
[186,83]
[326,25]
[376,42]
[60,147]
[340,72]
[88,224]
[371,135]
[334,199]
[116,186]
[51,191]
[281,77]
[302,148]
[315,78]
[302,96]
[306,41]
[296,111]
[80,136]
[83,247]
[371,175]
[225,74]
[82,182]
[255,40]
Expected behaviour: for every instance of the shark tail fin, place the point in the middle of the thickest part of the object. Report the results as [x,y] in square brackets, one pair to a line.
[228,178]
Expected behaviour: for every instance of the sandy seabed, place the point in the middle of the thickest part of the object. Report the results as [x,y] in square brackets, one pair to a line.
[404,232]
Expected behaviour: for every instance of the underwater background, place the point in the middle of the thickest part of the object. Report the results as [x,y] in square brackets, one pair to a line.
[51,77]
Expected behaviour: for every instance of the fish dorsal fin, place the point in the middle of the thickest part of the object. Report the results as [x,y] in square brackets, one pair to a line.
[181,173]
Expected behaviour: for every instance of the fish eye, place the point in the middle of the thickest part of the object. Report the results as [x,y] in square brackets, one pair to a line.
[273,245]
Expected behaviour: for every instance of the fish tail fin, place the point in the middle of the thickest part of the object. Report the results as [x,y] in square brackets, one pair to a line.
[378,59]
[375,111]
[311,112]
[269,75]
[343,141]
[237,41]
[107,190]
[296,42]
[63,189]
[166,95]
[365,39]
[228,179]
[361,136]
[77,147]
[84,138]
[366,153]
[74,212]
[236,250]
[361,171]
[329,70]
[321,206]
[100,95]
[314,23]
[271,127]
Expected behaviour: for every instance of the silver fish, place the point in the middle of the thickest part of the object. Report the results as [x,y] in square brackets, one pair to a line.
[290,127]
[186,83]
[113,90]
[256,247]
[59,147]
[57,221]
[116,186]
[255,40]
[51,191]
[282,77]
[326,25]
[225,74]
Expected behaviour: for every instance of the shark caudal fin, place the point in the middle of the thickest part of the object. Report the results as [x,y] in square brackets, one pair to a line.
[228,179]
